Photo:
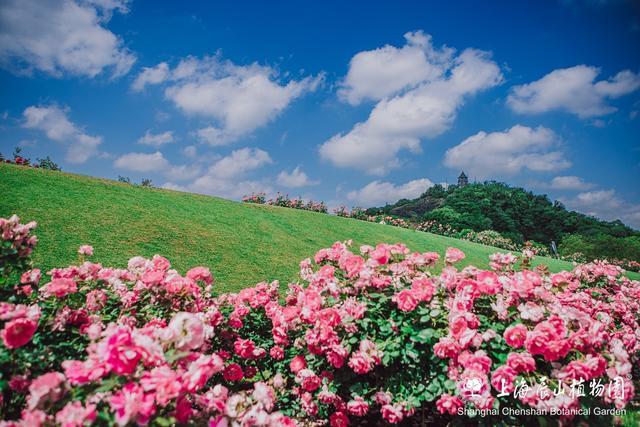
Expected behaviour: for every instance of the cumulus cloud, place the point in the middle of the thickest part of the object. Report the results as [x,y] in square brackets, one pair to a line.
[569,183]
[151,75]
[607,205]
[237,98]
[376,74]
[156,162]
[142,162]
[239,162]
[378,193]
[156,140]
[296,179]
[507,153]
[62,37]
[227,176]
[574,90]
[425,110]
[53,121]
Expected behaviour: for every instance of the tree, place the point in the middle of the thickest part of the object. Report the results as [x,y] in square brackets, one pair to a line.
[49,164]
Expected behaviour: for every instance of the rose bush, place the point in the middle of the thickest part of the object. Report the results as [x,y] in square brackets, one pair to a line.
[368,337]
[284,201]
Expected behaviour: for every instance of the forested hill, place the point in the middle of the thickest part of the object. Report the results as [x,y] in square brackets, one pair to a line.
[513,212]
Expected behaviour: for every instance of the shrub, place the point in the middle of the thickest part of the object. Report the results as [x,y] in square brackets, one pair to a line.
[367,336]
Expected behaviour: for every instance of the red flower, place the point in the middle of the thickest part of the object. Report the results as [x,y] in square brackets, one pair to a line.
[233,372]
[18,332]
[338,419]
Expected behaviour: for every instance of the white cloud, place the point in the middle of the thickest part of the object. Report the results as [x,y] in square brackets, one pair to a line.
[425,111]
[226,177]
[151,75]
[378,193]
[53,121]
[214,136]
[607,205]
[142,162]
[507,153]
[190,151]
[239,162]
[296,179]
[573,90]
[60,37]
[156,140]
[239,99]
[156,162]
[376,74]
[569,183]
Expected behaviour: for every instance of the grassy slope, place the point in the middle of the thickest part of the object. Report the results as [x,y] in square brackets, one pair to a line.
[242,244]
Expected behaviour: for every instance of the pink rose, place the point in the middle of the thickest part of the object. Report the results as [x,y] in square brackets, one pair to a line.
[200,274]
[31,277]
[308,380]
[18,332]
[447,347]
[297,364]
[449,404]
[59,288]
[276,352]
[353,265]
[164,382]
[186,331]
[86,250]
[380,254]
[76,415]
[392,413]
[160,263]
[360,363]
[521,362]
[406,300]
[132,404]
[383,398]
[423,289]
[95,300]
[516,335]
[358,407]
[453,255]
[45,388]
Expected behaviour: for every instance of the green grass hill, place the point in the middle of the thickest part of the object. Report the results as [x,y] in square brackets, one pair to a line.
[241,243]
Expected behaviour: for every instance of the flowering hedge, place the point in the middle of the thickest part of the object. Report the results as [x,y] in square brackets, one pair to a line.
[284,201]
[368,336]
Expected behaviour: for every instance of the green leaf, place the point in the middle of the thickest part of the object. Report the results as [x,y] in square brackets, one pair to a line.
[423,336]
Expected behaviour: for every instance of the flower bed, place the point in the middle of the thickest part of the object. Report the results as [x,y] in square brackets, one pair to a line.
[369,335]
[284,201]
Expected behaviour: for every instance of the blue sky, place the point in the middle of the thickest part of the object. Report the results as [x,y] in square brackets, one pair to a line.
[358,103]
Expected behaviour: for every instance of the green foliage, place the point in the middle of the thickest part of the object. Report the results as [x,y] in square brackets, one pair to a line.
[601,246]
[49,164]
[518,215]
